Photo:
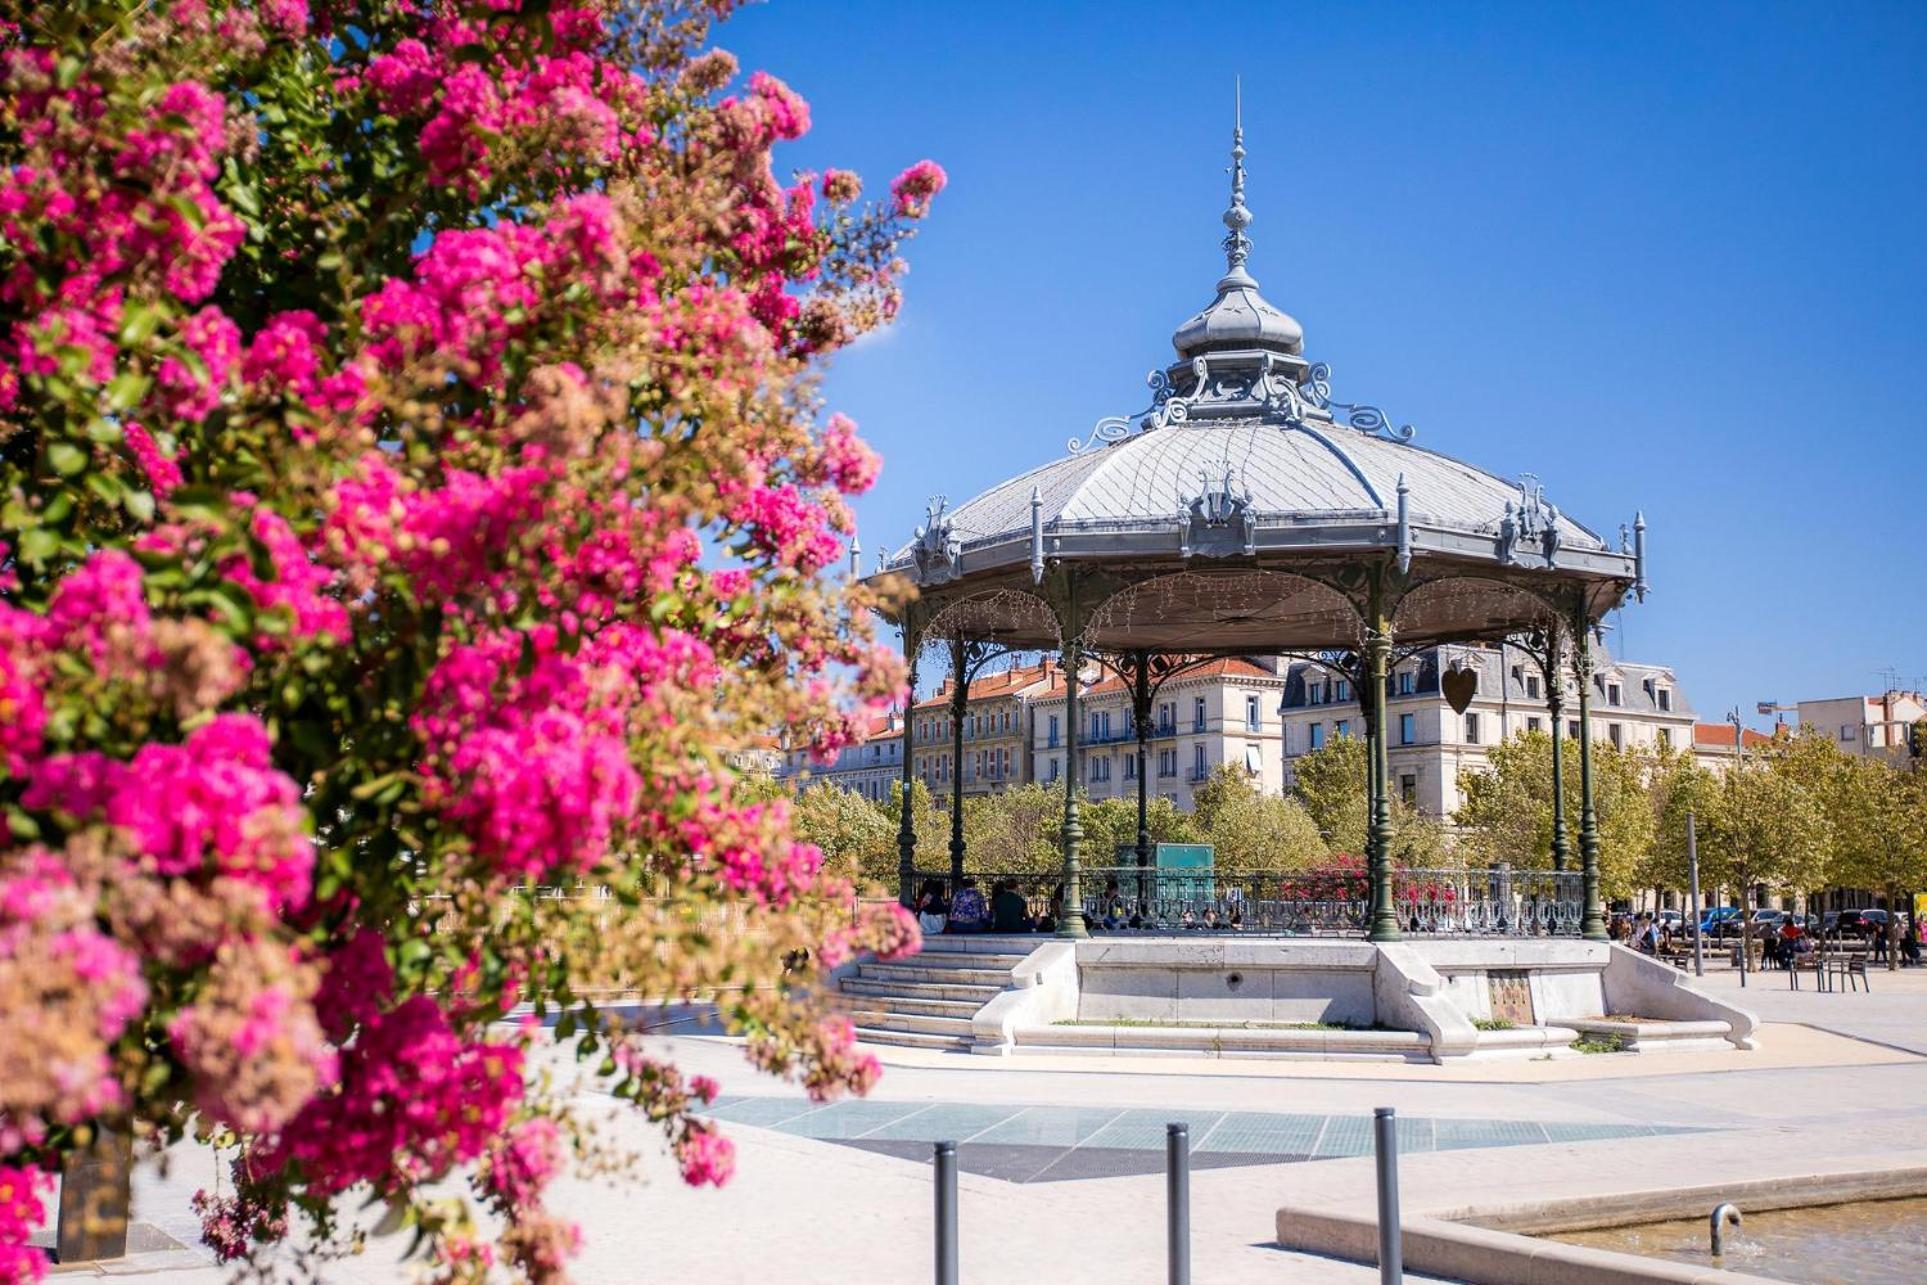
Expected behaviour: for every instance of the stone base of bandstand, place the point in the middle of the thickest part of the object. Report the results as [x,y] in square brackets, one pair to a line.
[1430,999]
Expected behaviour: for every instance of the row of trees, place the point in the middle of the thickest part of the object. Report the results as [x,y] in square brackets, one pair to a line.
[1797,816]
[1019,829]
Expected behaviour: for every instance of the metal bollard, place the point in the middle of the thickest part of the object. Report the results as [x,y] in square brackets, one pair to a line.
[946,1164]
[1177,1196]
[1391,1249]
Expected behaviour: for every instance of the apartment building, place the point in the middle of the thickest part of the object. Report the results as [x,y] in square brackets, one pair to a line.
[1431,745]
[1867,726]
[873,767]
[995,731]
[1223,711]
[1713,745]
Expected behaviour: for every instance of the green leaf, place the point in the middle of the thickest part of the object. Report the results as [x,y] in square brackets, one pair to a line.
[66,458]
[39,544]
[127,390]
[139,505]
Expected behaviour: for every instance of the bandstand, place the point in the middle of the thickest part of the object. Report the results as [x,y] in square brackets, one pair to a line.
[1250,511]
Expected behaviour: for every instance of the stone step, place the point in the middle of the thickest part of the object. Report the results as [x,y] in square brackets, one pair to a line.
[983,944]
[1231,1041]
[928,958]
[873,1020]
[889,1001]
[996,977]
[979,994]
[910,1039]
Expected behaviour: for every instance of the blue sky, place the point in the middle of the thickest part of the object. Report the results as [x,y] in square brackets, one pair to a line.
[1666,256]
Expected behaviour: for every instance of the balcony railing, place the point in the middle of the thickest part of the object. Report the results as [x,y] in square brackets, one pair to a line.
[1485,902]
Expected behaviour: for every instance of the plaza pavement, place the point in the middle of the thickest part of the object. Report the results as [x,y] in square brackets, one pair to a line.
[1834,1088]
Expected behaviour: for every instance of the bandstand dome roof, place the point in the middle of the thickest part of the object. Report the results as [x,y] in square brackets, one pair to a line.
[1246,472]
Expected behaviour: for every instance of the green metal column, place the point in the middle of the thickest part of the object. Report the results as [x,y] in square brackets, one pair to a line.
[1378,837]
[1070,919]
[1141,711]
[907,825]
[959,706]
[1555,675]
[1593,925]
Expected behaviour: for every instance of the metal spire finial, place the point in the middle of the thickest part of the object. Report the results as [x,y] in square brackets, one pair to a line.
[1237,246]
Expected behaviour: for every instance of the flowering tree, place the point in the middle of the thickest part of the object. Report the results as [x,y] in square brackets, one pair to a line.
[411,489]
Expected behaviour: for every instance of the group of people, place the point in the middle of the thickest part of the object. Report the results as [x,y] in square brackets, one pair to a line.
[1003,911]
[1645,932]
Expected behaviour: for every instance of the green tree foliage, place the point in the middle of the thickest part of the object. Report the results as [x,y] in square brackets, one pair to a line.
[1254,832]
[859,841]
[1507,813]
[1329,783]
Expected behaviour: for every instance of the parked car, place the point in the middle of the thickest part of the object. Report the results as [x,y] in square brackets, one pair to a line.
[1854,924]
[1720,921]
[1670,920]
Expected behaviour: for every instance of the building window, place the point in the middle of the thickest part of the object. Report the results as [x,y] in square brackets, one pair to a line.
[1572,729]
[1471,729]
[1254,760]
[1344,691]
[1167,763]
[1197,762]
[1317,740]
[1405,685]
[1130,767]
[1408,788]
[1253,720]
[1666,738]
[1051,736]
[1343,727]
[1053,770]
[1616,735]
[1197,714]
[1666,699]
[1407,729]
[1535,725]
[1532,687]
[1612,693]
[1848,731]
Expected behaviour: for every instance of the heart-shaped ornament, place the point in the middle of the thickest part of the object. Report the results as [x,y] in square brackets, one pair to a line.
[1459,686]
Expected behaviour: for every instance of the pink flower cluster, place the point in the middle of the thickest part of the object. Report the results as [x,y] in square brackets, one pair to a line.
[476,291]
[522,1162]
[191,383]
[559,92]
[534,765]
[706,1156]
[851,465]
[82,987]
[914,189]
[214,804]
[414,1100]
[21,1213]
[790,527]
[298,589]
[155,223]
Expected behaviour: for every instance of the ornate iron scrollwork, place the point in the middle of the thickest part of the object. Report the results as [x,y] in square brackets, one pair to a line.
[937,551]
[1530,523]
[1219,522]
[1236,387]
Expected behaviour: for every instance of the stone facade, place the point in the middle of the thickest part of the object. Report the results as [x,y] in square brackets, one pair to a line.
[1431,745]
[1225,711]
[872,767]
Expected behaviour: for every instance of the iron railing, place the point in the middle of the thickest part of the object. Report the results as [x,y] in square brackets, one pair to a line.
[1479,902]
